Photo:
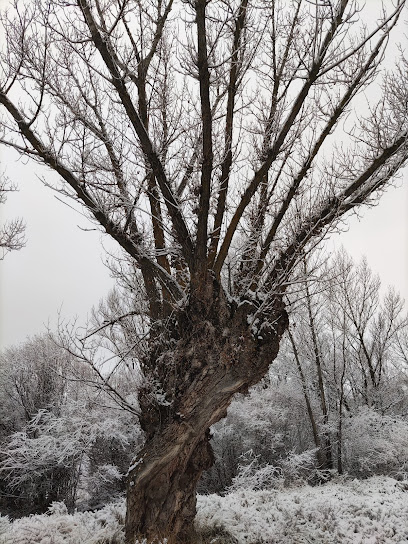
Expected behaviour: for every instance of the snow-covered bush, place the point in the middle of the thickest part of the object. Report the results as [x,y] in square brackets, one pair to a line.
[269,423]
[43,460]
[56,457]
[376,444]
[63,439]
[58,527]
[254,475]
[33,390]
[347,512]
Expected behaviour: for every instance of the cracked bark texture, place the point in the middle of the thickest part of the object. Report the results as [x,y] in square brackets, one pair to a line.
[213,355]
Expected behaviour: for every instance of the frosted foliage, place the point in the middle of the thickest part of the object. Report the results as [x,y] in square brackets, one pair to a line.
[5,526]
[57,527]
[373,511]
[375,442]
[144,541]
[68,442]
[253,475]
[254,478]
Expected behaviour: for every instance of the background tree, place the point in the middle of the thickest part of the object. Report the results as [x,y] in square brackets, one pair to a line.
[355,333]
[199,136]
[279,432]
[32,379]
[11,232]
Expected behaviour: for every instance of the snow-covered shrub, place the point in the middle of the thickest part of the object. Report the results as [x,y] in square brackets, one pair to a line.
[43,460]
[350,512]
[79,452]
[5,525]
[58,527]
[62,439]
[268,422]
[227,446]
[376,444]
[254,475]
[99,485]
[299,466]
[33,388]
[114,437]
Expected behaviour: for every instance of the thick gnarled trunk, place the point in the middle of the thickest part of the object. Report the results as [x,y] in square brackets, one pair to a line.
[213,354]
[161,497]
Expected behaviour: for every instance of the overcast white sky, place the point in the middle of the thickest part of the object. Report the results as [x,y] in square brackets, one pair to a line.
[61,268]
[381,234]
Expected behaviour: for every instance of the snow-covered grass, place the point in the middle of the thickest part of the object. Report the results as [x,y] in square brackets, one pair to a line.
[373,511]
[58,527]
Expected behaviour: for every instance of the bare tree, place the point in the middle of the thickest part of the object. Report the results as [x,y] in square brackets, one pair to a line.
[198,135]
[11,232]
[370,327]
[345,345]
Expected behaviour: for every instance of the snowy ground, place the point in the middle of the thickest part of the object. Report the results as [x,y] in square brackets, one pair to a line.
[373,511]
[58,527]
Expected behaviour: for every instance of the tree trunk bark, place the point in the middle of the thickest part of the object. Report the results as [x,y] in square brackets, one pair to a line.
[214,353]
[161,496]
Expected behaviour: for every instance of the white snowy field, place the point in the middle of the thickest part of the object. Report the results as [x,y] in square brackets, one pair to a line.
[373,511]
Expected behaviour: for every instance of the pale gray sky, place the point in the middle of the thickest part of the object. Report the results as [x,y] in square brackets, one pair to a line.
[61,268]
[381,234]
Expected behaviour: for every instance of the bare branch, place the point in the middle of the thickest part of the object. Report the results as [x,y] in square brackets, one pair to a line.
[132,247]
[272,154]
[147,146]
[200,256]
